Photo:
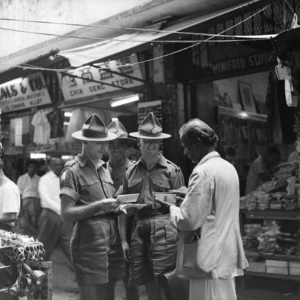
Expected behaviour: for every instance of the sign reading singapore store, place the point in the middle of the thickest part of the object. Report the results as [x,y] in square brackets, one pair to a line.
[88,80]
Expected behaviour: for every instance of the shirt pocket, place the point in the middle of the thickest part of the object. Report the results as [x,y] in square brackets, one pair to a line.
[135,185]
[161,185]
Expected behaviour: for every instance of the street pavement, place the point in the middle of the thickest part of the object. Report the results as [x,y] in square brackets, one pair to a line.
[65,286]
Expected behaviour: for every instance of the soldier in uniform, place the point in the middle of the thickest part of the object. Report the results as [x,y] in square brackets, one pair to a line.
[87,200]
[154,240]
[117,165]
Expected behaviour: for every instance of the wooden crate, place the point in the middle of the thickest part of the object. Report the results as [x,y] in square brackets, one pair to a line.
[294,268]
[259,267]
[277,267]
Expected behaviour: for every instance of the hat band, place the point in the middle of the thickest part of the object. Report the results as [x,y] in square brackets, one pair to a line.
[93,134]
[150,134]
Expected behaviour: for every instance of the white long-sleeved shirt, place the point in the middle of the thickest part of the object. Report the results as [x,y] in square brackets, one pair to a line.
[28,186]
[49,190]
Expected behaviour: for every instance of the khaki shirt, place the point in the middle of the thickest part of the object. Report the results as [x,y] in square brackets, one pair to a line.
[84,183]
[164,176]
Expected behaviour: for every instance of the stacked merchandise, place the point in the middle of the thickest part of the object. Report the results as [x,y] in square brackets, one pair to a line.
[268,239]
[279,194]
[18,253]
[250,240]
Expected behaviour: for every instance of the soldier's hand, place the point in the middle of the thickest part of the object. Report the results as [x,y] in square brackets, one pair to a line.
[126,250]
[109,205]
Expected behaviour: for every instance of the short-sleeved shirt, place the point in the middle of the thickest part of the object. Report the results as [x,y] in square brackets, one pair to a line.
[164,176]
[28,186]
[9,198]
[84,183]
[95,246]
[118,178]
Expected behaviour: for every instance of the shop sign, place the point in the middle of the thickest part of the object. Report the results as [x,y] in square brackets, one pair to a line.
[23,93]
[88,81]
[233,58]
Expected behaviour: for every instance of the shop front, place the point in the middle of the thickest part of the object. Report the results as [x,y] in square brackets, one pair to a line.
[240,91]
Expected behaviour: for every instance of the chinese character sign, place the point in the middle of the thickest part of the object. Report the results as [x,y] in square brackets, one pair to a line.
[93,80]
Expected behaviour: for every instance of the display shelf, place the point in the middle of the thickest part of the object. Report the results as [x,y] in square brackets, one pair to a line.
[262,256]
[272,214]
[273,276]
[243,137]
[257,256]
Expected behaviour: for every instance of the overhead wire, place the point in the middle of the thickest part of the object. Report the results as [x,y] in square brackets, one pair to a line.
[241,38]
[209,39]
[191,46]
[138,29]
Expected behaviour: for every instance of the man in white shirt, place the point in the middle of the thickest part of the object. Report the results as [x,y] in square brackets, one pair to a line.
[30,200]
[9,200]
[52,229]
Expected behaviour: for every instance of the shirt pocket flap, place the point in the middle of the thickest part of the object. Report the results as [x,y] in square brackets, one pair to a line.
[162,184]
[134,182]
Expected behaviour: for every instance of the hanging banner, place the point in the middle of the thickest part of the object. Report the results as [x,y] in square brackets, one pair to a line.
[23,93]
[88,81]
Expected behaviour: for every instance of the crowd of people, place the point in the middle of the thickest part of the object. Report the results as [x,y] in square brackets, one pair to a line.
[76,205]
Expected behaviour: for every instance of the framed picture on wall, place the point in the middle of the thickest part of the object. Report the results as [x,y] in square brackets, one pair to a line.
[247,98]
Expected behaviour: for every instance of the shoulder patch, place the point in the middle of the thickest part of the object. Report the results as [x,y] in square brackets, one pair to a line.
[63,175]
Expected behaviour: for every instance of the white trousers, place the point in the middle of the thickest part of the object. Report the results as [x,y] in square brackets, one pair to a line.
[213,289]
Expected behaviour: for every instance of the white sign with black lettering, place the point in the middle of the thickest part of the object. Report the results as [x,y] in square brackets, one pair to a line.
[87,81]
[23,93]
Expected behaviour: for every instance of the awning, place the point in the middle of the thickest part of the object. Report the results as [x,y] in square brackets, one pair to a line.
[131,42]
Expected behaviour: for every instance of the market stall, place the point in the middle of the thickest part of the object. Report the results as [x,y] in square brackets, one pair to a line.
[270,222]
[22,270]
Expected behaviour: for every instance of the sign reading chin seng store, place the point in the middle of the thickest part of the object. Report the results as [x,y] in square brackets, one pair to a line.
[87,81]
[23,93]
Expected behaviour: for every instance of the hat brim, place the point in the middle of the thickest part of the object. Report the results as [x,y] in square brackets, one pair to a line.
[161,136]
[129,139]
[78,135]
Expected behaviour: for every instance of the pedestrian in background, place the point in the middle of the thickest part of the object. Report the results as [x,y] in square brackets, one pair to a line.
[213,186]
[117,165]
[9,200]
[30,200]
[87,200]
[262,169]
[52,231]
[154,240]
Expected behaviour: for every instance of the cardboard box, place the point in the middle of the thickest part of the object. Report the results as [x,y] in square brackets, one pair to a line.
[277,267]
[255,266]
[294,268]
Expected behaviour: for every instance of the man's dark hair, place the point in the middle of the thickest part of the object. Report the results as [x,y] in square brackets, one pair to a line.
[31,161]
[196,130]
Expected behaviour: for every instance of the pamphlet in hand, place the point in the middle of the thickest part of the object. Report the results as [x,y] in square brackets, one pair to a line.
[129,198]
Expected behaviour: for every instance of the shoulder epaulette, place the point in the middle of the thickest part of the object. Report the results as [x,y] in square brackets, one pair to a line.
[174,165]
[70,163]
